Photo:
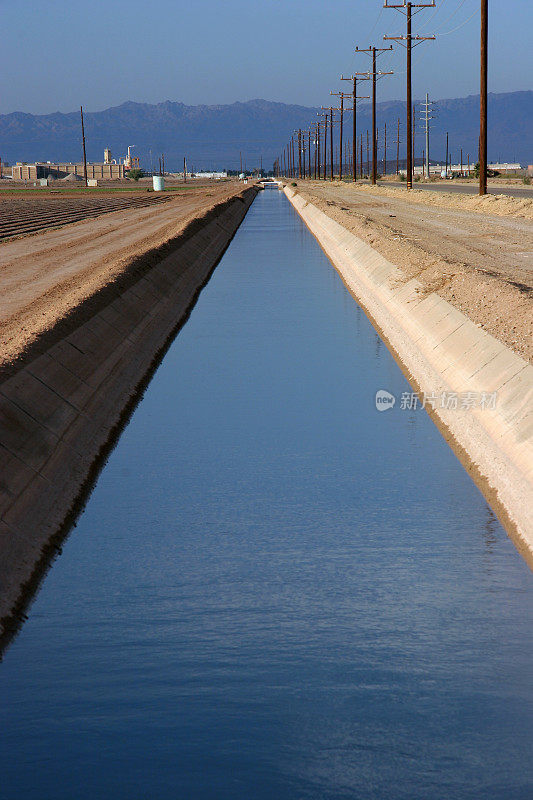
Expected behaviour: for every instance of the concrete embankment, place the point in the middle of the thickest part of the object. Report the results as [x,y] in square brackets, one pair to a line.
[61,403]
[444,354]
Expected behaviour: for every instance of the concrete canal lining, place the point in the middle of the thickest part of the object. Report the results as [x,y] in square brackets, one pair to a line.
[443,353]
[60,404]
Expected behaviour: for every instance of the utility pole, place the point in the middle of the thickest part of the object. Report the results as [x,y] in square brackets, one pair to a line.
[322,156]
[361,159]
[331,110]
[367,155]
[185,169]
[318,161]
[426,119]
[414,132]
[84,153]
[385,153]
[341,109]
[375,51]
[483,97]
[299,152]
[325,145]
[407,9]
[398,150]
[447,150]
[317,140]
[331,140]
[361,76]
[240,154]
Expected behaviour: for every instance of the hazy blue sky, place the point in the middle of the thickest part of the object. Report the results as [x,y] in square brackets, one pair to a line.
[55,54]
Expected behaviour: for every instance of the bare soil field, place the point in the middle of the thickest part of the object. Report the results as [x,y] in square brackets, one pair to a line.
[480,261]
[44,276]
[23,215]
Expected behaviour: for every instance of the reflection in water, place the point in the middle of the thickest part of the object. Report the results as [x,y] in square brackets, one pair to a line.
[276,590]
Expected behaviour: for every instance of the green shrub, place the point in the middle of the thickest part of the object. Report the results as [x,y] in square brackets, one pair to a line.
[294,183]
[135,174]
[527,181]
[402,177]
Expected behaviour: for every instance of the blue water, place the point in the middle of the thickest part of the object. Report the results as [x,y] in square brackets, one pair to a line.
[276,591]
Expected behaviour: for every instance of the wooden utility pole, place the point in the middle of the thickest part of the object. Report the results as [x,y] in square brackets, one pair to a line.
[331,140]
[331,110]
[367,155]
[341,109]
[84,153]
[414,132]
[483,164]
[321,158]
[358,76]
[398,150]
[325,144]
[385,153]
[407,8]
[361,159]
[447,151]
[317,139]
[318,162]
[375,51]
[299,152]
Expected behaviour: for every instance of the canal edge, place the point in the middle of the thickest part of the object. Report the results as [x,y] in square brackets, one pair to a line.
[440,350]
[63,406]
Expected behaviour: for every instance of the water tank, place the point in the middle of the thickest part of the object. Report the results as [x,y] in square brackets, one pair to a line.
[158,182]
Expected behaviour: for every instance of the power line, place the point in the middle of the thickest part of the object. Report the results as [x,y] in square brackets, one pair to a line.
[458,28]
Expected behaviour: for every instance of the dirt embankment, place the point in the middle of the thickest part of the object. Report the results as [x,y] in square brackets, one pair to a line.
[44,276]
[482,263]
[99,314]
[501,205]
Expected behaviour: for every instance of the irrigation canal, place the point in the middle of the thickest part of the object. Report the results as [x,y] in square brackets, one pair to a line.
[275,590]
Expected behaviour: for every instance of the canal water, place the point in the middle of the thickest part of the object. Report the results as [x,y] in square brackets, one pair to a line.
[275,590]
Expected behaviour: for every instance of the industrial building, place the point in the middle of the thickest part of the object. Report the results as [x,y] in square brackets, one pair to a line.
[109,169]
[45,169]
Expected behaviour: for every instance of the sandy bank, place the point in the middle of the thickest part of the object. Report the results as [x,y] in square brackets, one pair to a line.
[43,277]
[480,263]
[444,353]
[499,205]
[62,399]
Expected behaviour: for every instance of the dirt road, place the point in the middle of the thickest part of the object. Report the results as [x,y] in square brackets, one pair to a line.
[482,264]
[44,276]
[467,188]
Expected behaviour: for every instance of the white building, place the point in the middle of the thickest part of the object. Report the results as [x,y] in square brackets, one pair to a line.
[216,175]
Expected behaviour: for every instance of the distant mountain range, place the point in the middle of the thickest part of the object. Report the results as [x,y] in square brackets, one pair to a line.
[214,136]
